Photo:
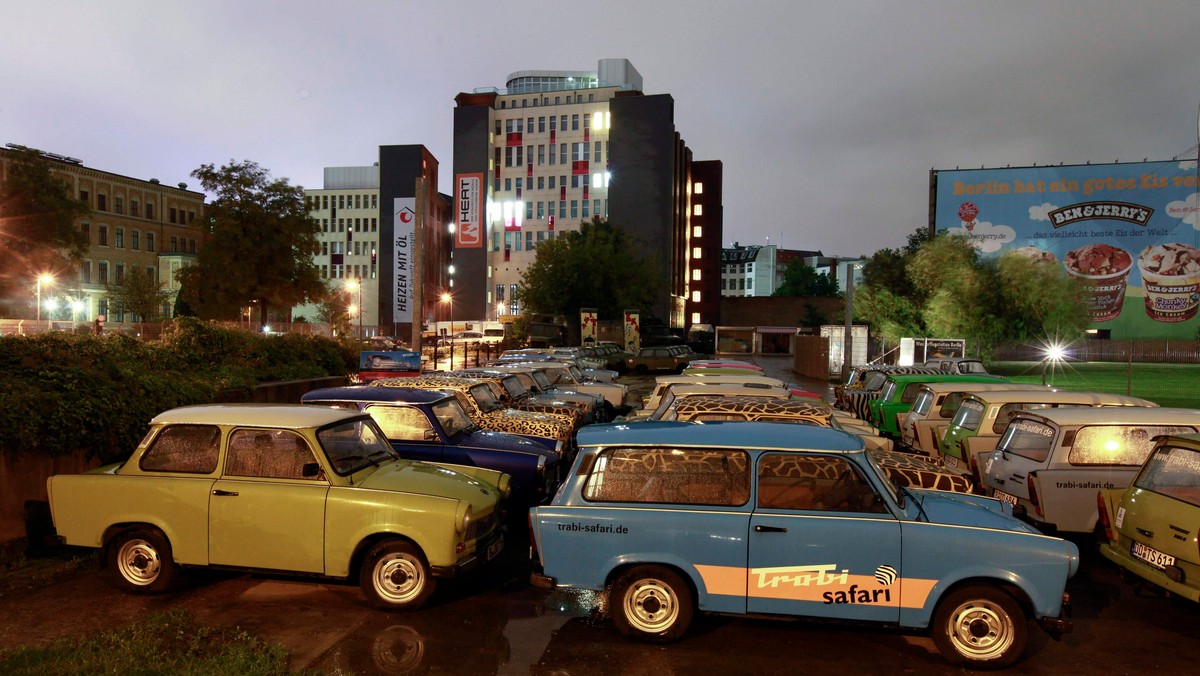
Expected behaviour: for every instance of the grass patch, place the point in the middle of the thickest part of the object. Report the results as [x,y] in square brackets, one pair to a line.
[165,643]
[1164,384]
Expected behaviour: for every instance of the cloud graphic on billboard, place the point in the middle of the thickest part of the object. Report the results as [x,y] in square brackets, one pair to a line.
[986,237]
[1041,212]
[1187,165]
[1186,210]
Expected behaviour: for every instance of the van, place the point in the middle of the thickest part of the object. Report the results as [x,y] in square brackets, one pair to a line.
[1050,465]
[982,417]
[934,407]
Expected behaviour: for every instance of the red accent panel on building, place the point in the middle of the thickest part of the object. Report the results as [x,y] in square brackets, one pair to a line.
[587,134]
[579,168]
[562,194]
[551,221]
[514,139]
[529,169]
[585,192]
[552,137]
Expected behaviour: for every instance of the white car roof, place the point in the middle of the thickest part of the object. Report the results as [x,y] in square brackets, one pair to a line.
[291,416]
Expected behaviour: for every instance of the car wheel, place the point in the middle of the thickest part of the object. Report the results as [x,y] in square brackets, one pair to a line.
[140,562]
[641,369]
[395,576]
[980,627]
[652,603]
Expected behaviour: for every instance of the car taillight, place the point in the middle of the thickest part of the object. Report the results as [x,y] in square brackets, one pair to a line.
[1033,496]
[533,550]
[1103,512]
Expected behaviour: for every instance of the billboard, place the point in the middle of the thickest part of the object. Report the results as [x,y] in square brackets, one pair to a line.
[468,195]
[1130,232]
[403,241]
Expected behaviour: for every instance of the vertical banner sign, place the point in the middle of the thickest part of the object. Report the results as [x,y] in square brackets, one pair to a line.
[404,218]
[587,327]
[633,332]
[469,208]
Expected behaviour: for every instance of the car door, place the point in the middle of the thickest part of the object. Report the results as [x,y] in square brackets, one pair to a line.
[264,512]
[822,542]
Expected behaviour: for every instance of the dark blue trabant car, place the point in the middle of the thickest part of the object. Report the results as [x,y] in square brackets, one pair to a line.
[433,426]
[774,519]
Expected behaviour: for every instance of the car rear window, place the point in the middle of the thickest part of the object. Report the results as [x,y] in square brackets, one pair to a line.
[1174,472]
[923,402]
[950,405]
[969,413]
[682,476]
[1126,445]
[1028,439]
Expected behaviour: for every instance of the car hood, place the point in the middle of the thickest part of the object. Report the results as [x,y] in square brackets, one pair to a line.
[956,509]
[430,479]
[502,441]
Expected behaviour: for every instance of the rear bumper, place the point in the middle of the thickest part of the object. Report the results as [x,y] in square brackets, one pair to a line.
[542,581]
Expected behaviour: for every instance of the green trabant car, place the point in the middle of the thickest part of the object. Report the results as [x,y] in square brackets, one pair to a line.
[299,489]
[1146,525]
[900,391]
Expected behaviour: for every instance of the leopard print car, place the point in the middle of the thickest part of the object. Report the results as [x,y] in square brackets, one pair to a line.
[485,410]
[578,412]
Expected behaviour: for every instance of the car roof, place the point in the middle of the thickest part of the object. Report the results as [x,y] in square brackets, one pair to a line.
[742,403]
[762,389]
[363,393]
[254,415]
[1114,415]
[945,378]
[705,378]
[940,386]
[1037,396]
[737,434]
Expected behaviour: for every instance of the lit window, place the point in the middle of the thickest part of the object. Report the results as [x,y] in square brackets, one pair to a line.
[607,120]
[696,252]
[695,317]
[698,188]
[696,275]
[695,296]
[697,231]
[697,209]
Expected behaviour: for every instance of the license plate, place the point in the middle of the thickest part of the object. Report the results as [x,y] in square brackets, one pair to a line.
[1151,556]
[1004,497]
[950,461]
[495,548]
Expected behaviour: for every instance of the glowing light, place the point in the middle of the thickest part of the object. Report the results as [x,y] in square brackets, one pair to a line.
[1112,446]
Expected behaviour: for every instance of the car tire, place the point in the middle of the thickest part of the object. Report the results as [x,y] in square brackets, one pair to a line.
[980,627]
[651,603]
[140,561]
[641,369]
[395,576]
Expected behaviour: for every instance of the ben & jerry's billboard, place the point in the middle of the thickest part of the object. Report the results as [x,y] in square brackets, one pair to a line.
[1129,231]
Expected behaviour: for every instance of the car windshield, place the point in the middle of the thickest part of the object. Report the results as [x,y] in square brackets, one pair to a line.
[969,413]
[664,404]
[484,398]
[884,477]
[576,374]
[542,381]
[888,390]
[354,445]
[874,381]
[452,416]
[1174,472]
[514,387]
[971,367]
[923,402]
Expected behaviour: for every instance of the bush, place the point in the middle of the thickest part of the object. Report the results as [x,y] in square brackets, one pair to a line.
[62,393]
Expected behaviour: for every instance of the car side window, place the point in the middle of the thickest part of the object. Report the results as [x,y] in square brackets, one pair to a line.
[401,423]
[193,449]
[276,454]
[1118,444]
[813,482]
[686,476]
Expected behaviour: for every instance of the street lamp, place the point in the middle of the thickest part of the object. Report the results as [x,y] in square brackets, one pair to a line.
[356,285]
[449,299]
[76,306]
[42,279]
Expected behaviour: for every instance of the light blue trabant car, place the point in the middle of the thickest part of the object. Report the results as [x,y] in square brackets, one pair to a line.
[672,518]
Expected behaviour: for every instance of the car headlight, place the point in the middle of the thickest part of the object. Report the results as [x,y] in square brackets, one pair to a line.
[505,485]
[462,517]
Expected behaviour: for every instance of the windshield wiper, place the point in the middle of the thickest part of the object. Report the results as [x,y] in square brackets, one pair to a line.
[921,515]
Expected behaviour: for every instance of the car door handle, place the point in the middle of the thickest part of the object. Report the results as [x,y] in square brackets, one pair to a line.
[769,529]
[218,491]
[1147,533]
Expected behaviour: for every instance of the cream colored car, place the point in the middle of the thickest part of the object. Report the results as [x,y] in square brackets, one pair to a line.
[934,407]
[662,384]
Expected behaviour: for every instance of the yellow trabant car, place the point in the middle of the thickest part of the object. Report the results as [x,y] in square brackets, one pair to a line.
[300,489]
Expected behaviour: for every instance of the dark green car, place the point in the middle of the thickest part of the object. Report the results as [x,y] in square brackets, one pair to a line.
[900,391]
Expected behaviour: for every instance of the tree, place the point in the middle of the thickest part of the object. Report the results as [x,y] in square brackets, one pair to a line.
[37,221]
[801,279]
[138,292]
[592,267]
[260,247]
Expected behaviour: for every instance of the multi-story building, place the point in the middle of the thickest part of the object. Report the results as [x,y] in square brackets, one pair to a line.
[759,270]
[133,223]
[371,250]
[557,148]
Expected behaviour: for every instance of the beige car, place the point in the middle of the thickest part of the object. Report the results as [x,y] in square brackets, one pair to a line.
[662,384]
[982,417]
[933,408]
[683,391]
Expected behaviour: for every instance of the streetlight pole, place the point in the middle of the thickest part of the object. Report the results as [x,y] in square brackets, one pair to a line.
[42,279]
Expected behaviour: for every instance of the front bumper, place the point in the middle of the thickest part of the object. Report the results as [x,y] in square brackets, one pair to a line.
[485,550]
[1056,627]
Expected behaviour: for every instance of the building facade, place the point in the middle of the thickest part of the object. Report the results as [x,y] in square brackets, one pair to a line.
[759,270]
[555,149]
[134,223]
[390,278]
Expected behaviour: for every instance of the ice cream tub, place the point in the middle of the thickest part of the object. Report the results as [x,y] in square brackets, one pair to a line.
[1104,270]
[1171,280]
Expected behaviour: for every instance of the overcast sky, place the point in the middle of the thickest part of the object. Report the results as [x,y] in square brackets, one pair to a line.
[827,115]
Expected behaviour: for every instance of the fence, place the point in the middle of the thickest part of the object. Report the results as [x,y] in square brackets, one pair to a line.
[1160,351]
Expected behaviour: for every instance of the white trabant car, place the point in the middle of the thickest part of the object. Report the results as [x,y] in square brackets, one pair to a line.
[670,519]
[1050,464]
